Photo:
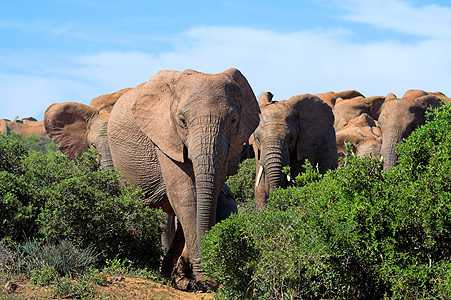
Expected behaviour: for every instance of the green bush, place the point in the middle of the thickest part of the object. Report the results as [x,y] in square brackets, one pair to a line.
[43,145]
[67,287]
[242,184]
[356,232]
[52,198]
[46,275]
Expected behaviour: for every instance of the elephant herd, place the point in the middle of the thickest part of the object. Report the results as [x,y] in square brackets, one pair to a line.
[25,127]
[180,134]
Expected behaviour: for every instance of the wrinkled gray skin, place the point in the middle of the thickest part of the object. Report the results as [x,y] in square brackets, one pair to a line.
[348,109]
[174,137]
[75,127]
[399,117]
[364,135]
[289,132]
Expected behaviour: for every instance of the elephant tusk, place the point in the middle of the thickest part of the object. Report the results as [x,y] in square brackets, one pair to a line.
[290,179]
[259,176]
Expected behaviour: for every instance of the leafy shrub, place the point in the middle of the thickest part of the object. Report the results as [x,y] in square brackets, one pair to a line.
[67,287]
[52,198]
[43,145]
[235,264]
[46,275]
[358,232]
[242,184]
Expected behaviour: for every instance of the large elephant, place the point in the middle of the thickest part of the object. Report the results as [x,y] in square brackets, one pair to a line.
[25,127]
[75,127]
[348,109]
[289,132]
[364,135]
[399,117]
[174,136]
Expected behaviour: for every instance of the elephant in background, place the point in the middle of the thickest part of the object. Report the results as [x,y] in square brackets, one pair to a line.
[75,127]
[348,109]
[363,133]
[25,127]
[400,116]
[289,132]
[175,136]
[331,97]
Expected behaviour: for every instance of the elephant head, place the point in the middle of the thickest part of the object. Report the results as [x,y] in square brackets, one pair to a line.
[177,133]
[289,132]
[399,117]
[348,109]
[364,135]
[75,127]
[331,97]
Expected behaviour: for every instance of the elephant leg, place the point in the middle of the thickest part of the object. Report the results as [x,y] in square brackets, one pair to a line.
[168,226]
[181,193]
[168,230]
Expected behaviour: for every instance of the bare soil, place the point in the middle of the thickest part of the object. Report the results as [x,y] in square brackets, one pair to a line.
[127,288]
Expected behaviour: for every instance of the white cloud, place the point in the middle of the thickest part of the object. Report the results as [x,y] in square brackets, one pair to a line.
[428,20]
[286,64]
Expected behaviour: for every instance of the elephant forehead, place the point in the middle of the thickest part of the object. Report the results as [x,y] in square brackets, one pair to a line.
[400,108]
[276,112]
[204,82]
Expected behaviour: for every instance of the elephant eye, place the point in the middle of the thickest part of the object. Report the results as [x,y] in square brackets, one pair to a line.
[183,122]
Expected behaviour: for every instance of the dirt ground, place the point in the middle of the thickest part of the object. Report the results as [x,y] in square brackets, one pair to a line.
[127,288]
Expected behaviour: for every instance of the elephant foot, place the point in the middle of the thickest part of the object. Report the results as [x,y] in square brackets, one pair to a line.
[184,279]
[195,284]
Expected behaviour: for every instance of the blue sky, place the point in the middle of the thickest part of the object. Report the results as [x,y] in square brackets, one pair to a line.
[67,50]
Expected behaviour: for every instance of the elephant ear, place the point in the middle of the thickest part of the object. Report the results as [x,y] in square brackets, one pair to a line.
[342,124]
[375,104]
[349,94]
[66,124]
[390,96]
[316,122]
[427,101]
[248,110]
[151,109]
[106,102]
[265,99]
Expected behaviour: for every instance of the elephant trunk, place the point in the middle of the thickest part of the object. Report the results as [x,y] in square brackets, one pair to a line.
[208,154]
[273,162]
[388,148]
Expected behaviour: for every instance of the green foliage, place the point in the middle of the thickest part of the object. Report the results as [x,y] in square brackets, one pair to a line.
[66,287]
[11,152]
[242,184]
[309,175]
[117,266]
[39,144]
[234,265]
[46,275]
[52,198]
[355,232]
